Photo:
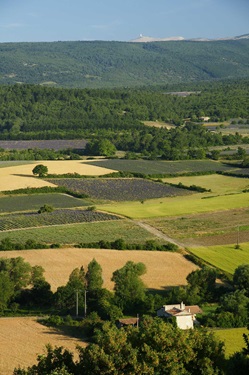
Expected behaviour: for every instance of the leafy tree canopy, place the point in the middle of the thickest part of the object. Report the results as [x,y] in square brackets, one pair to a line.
[40,170]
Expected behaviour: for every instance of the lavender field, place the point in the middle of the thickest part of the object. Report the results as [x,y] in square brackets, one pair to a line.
[116,189]
[58,217]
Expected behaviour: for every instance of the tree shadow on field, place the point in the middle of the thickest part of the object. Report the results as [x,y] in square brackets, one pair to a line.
[65,331]
[163,289]
[24,175]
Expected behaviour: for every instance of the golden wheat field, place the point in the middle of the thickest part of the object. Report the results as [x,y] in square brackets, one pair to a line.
[21,176]
[22,339]
[163,268]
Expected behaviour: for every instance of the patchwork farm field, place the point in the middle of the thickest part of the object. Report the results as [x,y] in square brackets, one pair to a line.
[83,232]
[58,217]
[35,201]
[125,189]
[176,206]
[224,257]
[218,184]
[210,228]
[22,349]
[21,176]
[164,269]
[153,167]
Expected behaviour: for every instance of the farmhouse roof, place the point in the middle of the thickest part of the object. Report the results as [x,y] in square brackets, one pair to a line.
[194,309]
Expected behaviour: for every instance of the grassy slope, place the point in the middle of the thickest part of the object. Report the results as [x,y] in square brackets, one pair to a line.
[217,183]
[177,206]
[225,257]
[233,339]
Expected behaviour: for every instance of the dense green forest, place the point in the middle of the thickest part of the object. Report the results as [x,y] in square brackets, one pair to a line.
[118,115]
[122,64]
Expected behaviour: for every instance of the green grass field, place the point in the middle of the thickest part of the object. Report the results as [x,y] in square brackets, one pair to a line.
[233,339]
[85,232]
[34,201]
[176,206]
[224,257]
[217,183]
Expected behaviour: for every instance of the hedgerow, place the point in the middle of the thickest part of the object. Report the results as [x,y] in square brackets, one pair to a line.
[120,244]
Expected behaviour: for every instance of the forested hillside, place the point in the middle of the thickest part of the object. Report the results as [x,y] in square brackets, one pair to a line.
[115,64]
[35,112]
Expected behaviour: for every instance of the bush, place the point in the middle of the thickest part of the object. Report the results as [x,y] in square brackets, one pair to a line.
[45,208]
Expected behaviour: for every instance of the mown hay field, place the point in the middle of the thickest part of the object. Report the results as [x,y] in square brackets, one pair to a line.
[175,206]
[22,339]
[233,339]
[161,167]
[218,184]
[206,229]
[224,257]
[20,176]
[84,232]
[164,269]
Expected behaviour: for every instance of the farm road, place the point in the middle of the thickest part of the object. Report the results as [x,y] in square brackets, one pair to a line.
[158,233]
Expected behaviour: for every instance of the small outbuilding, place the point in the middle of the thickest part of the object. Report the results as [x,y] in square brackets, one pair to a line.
[127,322]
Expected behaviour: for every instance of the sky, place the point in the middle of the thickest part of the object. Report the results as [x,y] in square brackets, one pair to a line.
[121,20]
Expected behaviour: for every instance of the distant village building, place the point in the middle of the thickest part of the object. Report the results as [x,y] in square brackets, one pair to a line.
[205,118]
[185,315]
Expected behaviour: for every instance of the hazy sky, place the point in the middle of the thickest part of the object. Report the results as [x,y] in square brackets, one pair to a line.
[53,20]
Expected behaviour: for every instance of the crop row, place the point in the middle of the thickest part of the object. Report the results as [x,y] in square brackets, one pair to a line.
[120,189]
[58,217]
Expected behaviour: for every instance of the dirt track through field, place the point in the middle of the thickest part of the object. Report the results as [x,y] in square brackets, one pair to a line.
[159,234]
[22,339]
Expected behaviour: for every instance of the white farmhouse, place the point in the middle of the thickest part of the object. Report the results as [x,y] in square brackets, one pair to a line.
[185,315]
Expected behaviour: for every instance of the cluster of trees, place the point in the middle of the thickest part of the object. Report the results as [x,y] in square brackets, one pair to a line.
[155,348]
[18,280]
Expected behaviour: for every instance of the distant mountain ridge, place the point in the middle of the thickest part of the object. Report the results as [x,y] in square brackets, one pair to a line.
[97,64]
[147,39]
